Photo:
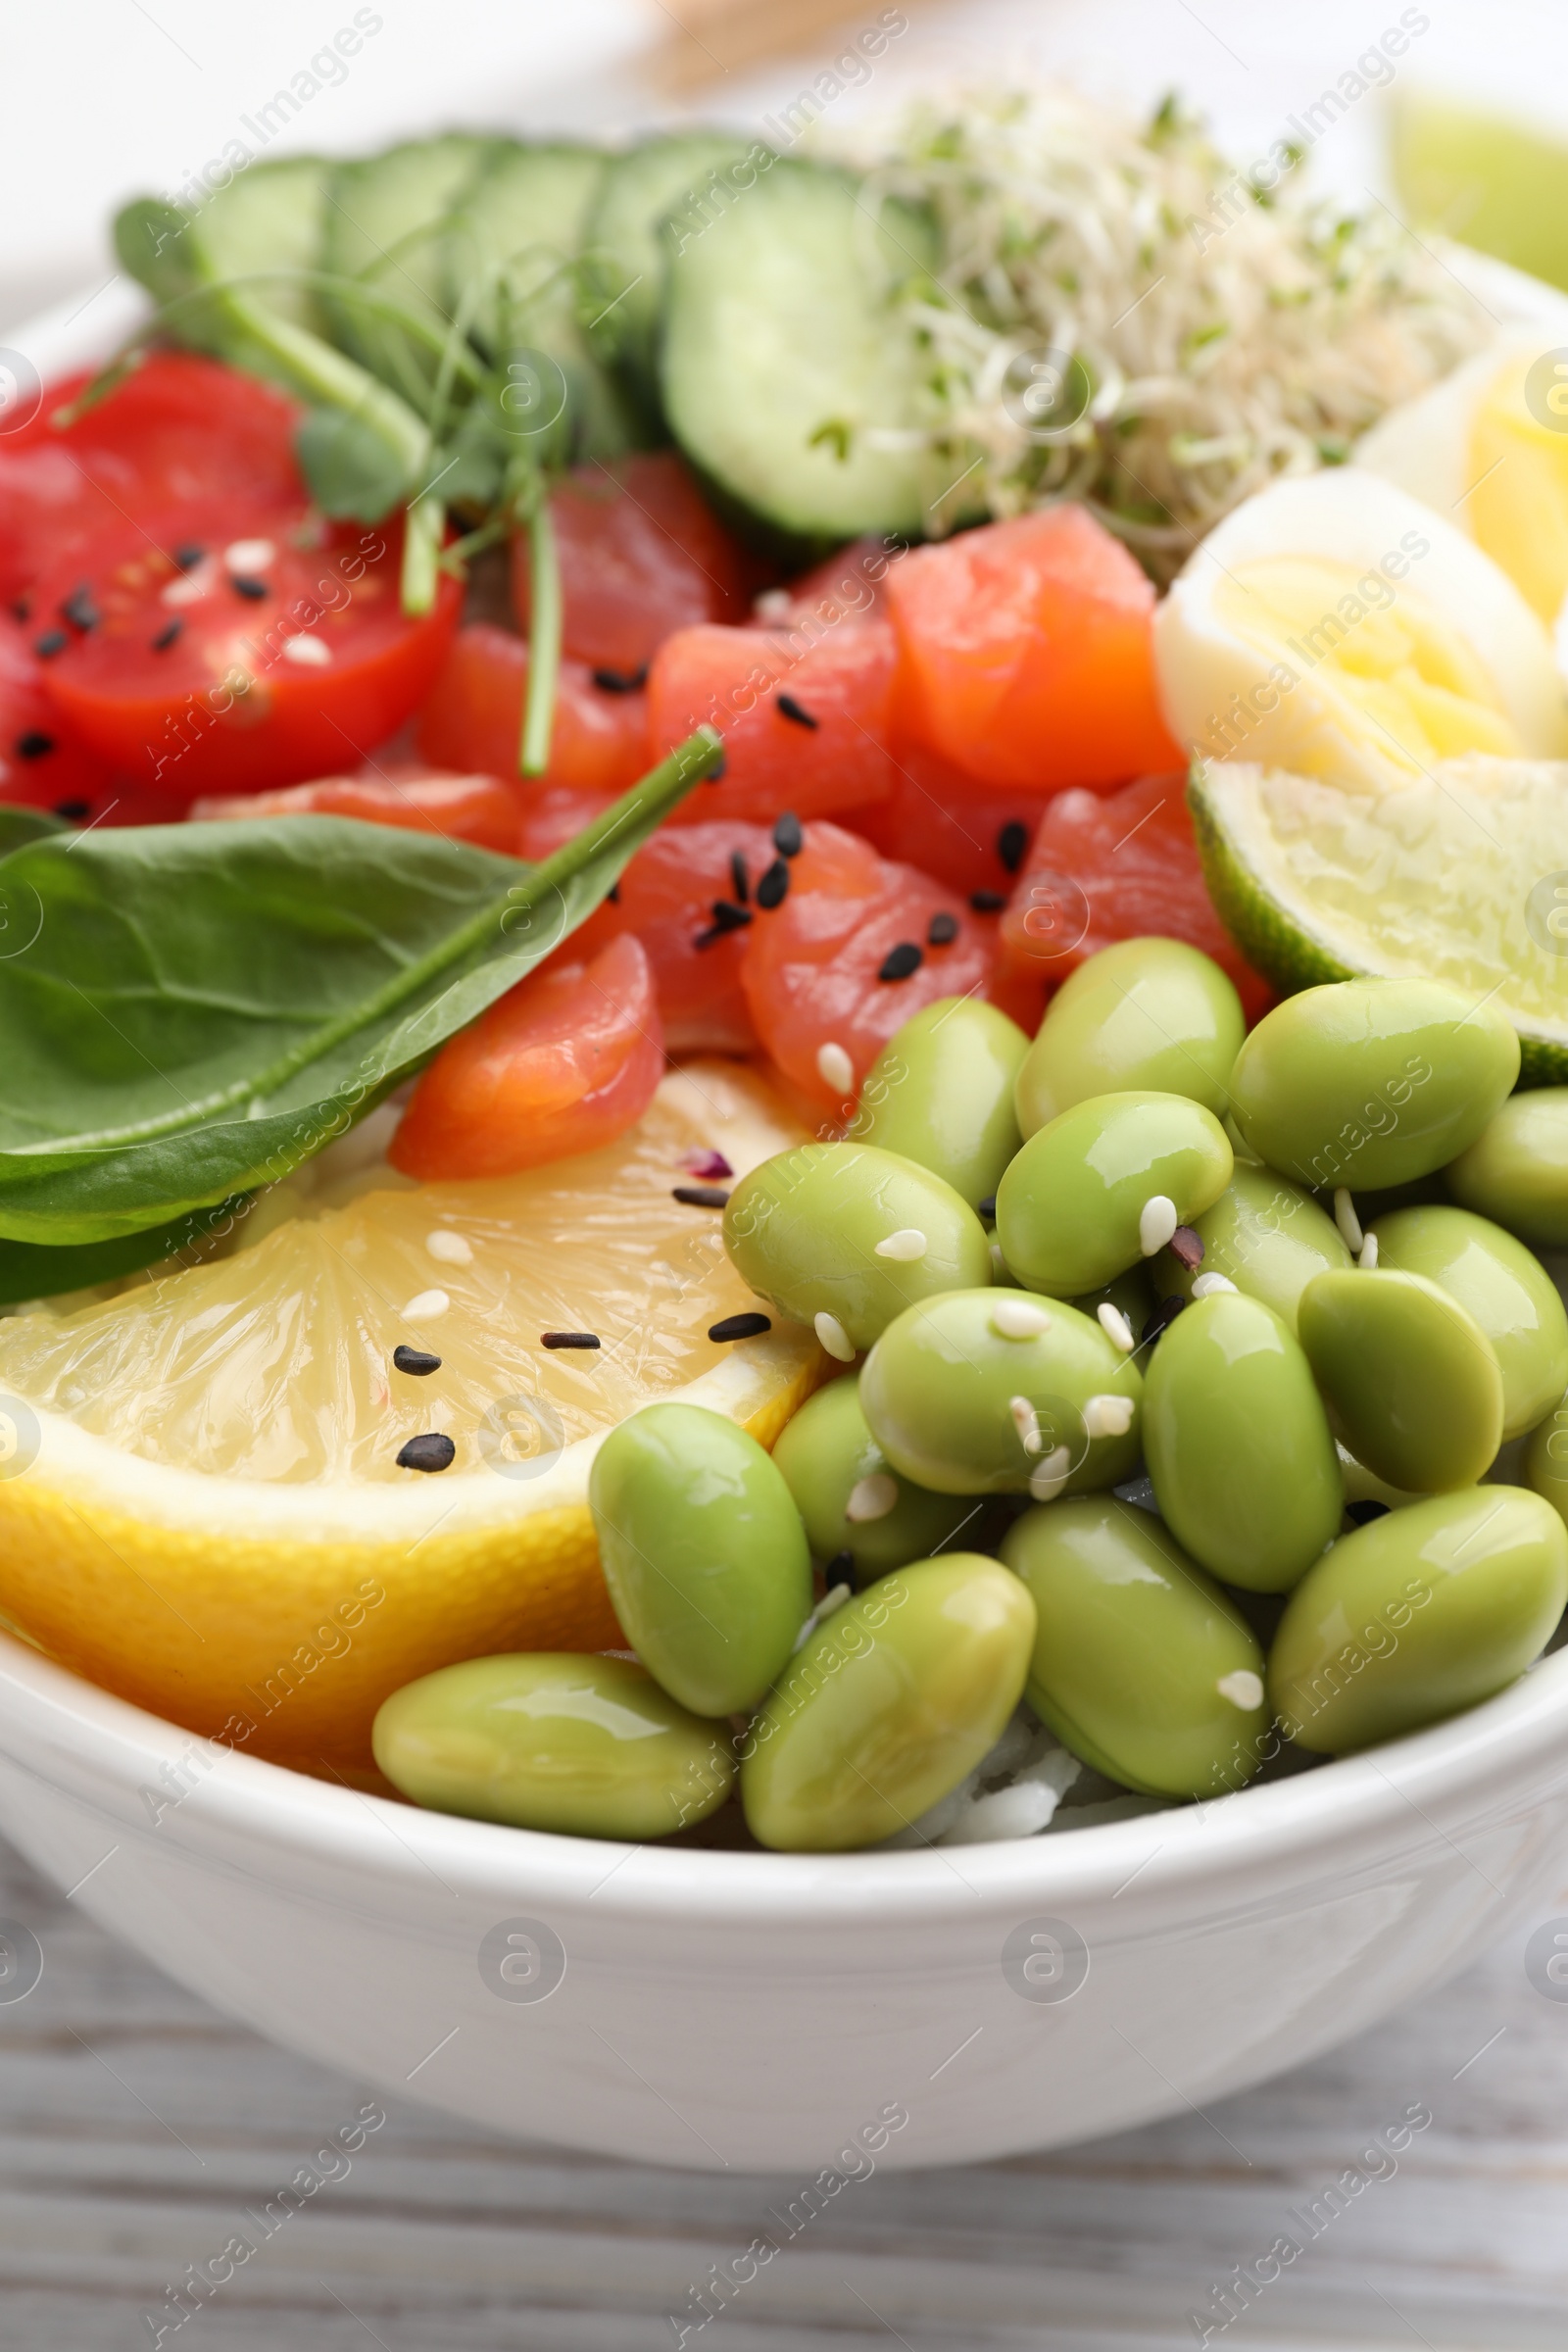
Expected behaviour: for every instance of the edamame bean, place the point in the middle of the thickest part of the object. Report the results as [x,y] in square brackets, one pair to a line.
[941,1093]
[1141,1665]
[704,1553]
[1265,1234]
[1151,1014]
[1003,1393]
[888,1705]
[1517,1168]
[1106,1184]
[845,1236]
[1544,1468]
[849,1498]
[1416,1616]
[589,1746]
[1362,1484]
[1237,1445]
[1368,1083]
[1410,1377]
[1509,1293]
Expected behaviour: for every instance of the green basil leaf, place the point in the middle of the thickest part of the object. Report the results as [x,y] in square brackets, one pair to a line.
[193,1009]
[31,1270]
[349,466]
[19,825]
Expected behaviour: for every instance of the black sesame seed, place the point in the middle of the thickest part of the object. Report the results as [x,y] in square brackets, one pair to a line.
[569,1338]
[788,839]
[942,931]
[739,879]
[34,745]
[73,811]
[244,584]
[431,1451]
[839,1570]
[773,886]
[716,774]
[900,962]
[168,634]
[1012,842]
[727,916]
[52,642]
[415,1360]
[1363,1513]
[186,557]
[789,707]
[701,1195]
[740,1327]
[987,1208]
[612,893]
[1187,1247]
[988,901]
[79,610]
[621,681]
[1163,1316]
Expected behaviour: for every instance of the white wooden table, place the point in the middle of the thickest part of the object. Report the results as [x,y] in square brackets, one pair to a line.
[136,2126]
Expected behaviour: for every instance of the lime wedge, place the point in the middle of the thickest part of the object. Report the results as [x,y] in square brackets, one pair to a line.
[1487,180]
[1462,877]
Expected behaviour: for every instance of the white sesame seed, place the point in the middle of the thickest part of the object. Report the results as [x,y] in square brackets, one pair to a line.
[1051,1474]
[835,1069]
[1115,1326]
[907,1245]
[1369,1252]
[833,1336]
[310,653]
[248,555]
[426,1307]
[1204,1286]
[833,1598]
[451,1249]
[871,1498]
[1345,1218]
[1156,1224]
[1243,1688]
[190,587]
[1026,1421]
[1019,1319]
[1109,1417]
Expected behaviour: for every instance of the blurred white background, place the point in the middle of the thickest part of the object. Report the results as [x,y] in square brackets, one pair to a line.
[101,99]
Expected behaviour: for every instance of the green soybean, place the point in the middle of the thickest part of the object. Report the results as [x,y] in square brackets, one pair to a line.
[1516,1170]
[941,1093]
[854,1234]
[887,1706]
[1416,1616]
[1265,1234]
[1074,1208]
[1141,1665]
[1369,1083]
[1362,1484]
[1507,1291]
[849,1498]
[1409,1376]
[586,1745]
[1237,1445]
[1002,1392]
[704,1553]
[1146,1013]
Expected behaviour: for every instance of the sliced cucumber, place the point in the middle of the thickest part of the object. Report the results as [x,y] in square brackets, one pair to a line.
[783,354]
[267,220]
[385,222]
[514,269]
[626,256]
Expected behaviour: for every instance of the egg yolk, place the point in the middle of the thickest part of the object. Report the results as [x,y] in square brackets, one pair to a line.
[1377,666]
[1518,508]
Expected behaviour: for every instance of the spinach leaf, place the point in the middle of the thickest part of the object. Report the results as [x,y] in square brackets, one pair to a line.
[31,1270]
[19,824]
[196,1008]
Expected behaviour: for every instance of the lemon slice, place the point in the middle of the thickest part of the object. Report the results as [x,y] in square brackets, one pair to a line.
[201,1504]
[1463,876]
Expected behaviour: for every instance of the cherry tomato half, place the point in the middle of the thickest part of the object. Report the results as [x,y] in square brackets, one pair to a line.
[40,766]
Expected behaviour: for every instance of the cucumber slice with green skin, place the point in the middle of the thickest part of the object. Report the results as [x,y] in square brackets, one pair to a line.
[783,354]
[626,258]
[269,219]
[384,222]
[513,268]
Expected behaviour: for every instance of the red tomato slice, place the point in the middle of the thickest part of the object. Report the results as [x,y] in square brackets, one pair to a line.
[482,810]
[804,725]
[227,648]
[473,716]
[1025,652]
[41,767]
[947,824]
[179,428]
[565,1061]
[641,553]
[811,970]
[1124,867]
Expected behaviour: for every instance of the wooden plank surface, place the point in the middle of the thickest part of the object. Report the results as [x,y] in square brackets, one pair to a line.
[137,2127]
